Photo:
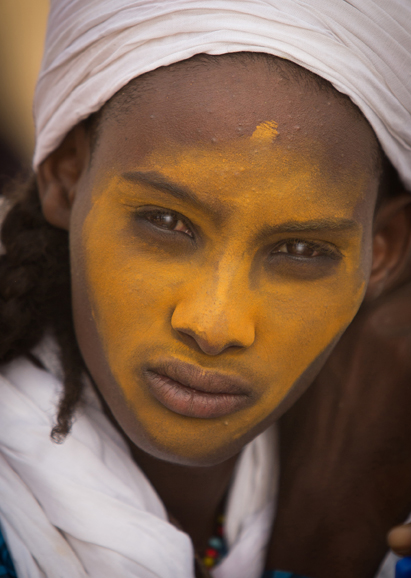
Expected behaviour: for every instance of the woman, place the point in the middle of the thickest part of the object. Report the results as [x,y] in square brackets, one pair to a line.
[228,213]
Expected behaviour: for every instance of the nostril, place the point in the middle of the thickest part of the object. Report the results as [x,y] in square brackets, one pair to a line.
[191,338]
[206,344]
[212,331]
[188,338]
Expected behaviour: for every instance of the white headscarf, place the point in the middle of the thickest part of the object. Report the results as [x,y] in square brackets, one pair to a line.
[95,47]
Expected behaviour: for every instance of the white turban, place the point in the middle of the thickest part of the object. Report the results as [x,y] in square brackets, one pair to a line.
[95,47]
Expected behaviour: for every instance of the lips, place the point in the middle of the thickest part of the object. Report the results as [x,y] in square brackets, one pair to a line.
[187,390]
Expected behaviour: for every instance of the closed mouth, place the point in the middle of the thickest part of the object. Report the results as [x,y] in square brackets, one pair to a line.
[194,392]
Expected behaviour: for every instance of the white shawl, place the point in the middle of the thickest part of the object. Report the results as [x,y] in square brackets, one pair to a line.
[84,508]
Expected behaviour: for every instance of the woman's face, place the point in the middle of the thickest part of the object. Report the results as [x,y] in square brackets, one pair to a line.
[221,242]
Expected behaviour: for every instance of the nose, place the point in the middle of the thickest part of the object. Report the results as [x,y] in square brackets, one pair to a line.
[216,312]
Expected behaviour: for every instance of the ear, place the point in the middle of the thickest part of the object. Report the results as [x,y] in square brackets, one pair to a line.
[59,174]
[391,246]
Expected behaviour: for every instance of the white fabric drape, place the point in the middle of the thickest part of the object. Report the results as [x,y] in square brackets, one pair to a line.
[84,508]
[95,47]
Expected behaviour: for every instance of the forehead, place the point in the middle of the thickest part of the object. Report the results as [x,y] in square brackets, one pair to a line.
[224,99]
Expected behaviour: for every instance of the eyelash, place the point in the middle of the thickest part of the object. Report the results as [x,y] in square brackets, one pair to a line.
[179,218]
[324,249]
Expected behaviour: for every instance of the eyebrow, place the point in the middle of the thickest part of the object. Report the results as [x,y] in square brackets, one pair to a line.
[180,192]
[321,226]
[158,181]
[312,226]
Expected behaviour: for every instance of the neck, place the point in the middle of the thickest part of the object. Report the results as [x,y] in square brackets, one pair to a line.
[191,495]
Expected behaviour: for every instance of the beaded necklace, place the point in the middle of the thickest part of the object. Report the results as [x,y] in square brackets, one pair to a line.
[217,546]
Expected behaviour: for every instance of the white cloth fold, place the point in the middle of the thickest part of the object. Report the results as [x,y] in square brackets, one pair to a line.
[94,48]
[84,508]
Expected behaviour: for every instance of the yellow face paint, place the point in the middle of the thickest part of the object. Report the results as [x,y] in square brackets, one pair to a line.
[265,131]
[231,282]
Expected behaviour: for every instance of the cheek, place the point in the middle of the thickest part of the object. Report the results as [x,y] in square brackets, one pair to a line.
[303,320]
[130,294]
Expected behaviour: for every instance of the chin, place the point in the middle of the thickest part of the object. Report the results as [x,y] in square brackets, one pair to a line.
[186,453]
[194,449]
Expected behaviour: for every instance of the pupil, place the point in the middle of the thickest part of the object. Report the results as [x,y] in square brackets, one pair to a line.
[167,220]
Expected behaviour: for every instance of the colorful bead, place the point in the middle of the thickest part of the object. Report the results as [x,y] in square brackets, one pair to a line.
[208,562]
[217,547]
[215,542]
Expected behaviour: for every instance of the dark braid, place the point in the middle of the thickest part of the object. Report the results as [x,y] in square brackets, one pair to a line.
[35,294]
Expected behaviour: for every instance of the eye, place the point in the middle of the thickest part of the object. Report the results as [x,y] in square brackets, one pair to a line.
[169,221]
[305,249]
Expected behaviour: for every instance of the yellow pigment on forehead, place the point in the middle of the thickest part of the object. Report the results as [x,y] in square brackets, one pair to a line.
[265,131]
[135,284]
[248,172]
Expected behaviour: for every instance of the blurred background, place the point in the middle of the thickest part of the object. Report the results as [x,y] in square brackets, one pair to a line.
[22,32]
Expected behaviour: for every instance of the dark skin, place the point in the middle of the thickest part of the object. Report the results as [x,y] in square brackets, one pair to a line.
[193,493]
[346,474]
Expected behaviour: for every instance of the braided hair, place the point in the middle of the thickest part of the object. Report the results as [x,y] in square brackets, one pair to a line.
[35,294]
